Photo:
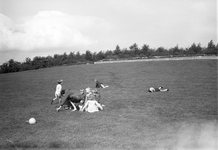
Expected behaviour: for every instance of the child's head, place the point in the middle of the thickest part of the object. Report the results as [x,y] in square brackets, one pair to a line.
[60,81]
[82,91]
[62,92]
[160,87]
[88,90]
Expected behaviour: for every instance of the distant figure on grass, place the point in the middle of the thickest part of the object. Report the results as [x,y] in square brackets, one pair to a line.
[58,91]
[72,100]
[159,89]
[99,84]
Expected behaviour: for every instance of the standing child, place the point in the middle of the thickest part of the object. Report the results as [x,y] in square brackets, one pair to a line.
[58,91]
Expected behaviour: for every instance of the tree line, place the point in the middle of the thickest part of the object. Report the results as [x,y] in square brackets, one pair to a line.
[133,52]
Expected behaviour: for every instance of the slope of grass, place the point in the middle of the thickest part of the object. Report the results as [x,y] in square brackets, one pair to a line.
[183,118]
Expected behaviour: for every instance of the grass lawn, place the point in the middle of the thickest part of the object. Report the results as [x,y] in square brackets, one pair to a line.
[182,119]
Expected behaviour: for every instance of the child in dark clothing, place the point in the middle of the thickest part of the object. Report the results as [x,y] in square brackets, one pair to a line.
[99,84]
[72,100]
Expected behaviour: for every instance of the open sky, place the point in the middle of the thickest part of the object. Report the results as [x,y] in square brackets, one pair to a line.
[30,28]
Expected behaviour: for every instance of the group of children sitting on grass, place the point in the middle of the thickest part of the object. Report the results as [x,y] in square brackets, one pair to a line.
[88,99]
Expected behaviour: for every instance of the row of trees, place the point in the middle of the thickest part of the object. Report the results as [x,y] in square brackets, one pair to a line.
[88,57]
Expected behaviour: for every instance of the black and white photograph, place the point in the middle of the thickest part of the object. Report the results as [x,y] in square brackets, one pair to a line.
[108,75]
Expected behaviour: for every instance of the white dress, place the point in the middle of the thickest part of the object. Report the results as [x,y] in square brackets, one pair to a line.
[58,90]
[92,106]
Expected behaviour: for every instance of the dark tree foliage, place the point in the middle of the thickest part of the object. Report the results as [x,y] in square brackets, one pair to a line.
[211,48]
[100,56]
[161,51]
[88,56]
[194,49]
[10,66]
[144,50]
[117,51]
[134,52]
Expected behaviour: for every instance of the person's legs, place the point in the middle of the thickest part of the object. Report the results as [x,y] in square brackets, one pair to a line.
[56,97]
[59,99]
[74,107]
[63,102]
[162,89]
[80,106]
[69,101]
[104,86]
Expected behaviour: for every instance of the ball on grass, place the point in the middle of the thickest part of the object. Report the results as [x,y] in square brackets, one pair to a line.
[32,121]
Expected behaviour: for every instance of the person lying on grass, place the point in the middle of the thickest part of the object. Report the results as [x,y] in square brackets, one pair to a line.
[58,91]
[72,100]
[159,89]
[99,84]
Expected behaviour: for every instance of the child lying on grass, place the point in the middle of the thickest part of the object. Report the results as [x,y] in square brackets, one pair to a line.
[99,84]
[72,100]
[159,89]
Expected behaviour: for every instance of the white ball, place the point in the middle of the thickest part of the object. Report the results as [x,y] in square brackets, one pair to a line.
[32,121]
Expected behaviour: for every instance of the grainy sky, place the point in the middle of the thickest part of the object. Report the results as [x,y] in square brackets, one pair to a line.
[31,28]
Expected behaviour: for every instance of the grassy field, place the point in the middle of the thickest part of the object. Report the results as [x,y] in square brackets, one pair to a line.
[182,119]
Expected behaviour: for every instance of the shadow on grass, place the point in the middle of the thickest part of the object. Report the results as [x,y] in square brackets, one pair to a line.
[36,145]
[58,144]
[77,144]
[19,145]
